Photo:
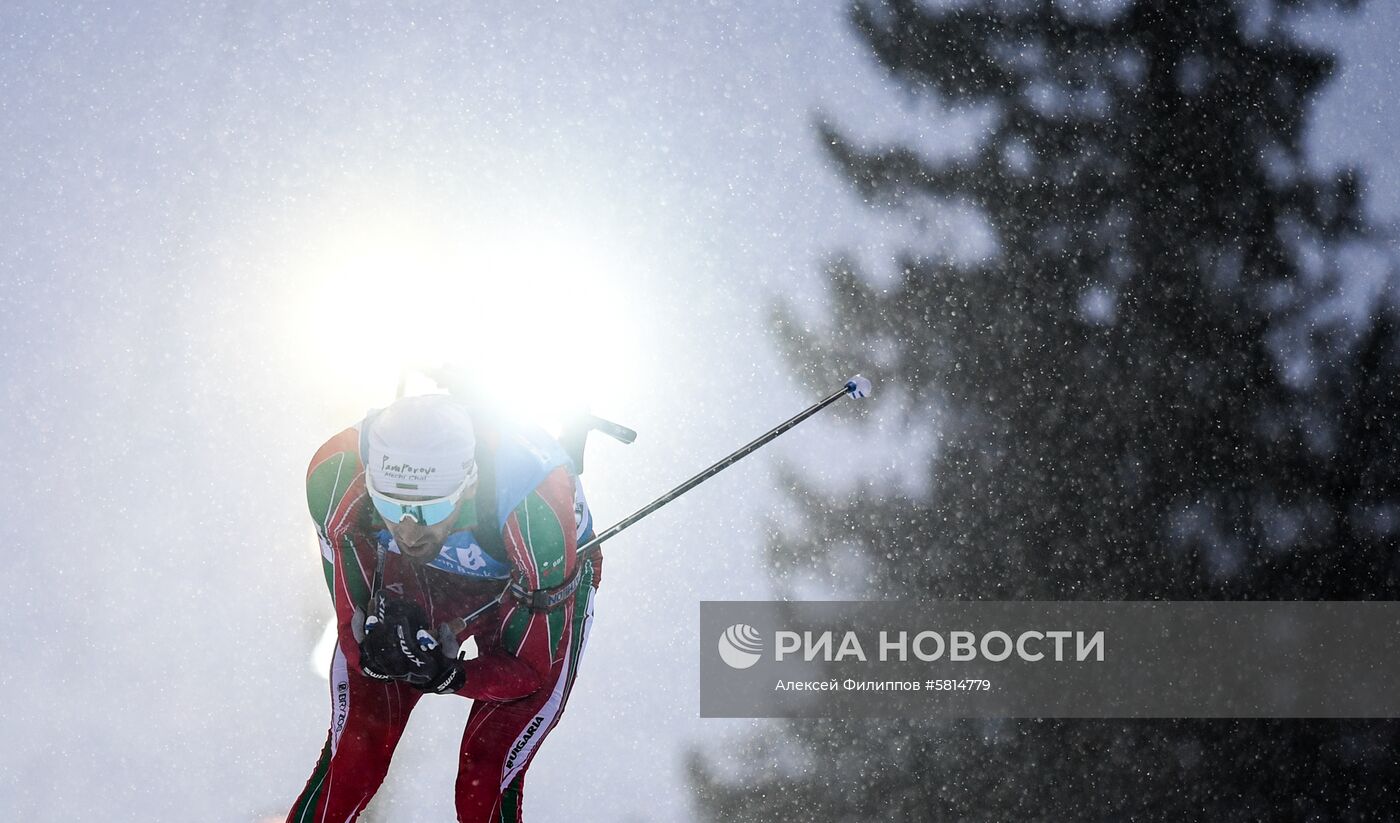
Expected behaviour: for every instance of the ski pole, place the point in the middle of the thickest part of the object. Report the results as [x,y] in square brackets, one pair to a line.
[856,387]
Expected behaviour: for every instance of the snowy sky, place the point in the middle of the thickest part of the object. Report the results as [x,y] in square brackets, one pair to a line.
[189,192]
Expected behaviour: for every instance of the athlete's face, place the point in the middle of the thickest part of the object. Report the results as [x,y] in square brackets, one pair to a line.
[421,543]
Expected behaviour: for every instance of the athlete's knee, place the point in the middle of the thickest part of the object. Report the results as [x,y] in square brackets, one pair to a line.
[482,799]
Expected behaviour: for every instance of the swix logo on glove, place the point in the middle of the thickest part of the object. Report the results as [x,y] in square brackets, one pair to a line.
[410,653]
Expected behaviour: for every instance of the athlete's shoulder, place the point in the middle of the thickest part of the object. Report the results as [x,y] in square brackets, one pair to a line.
[546,528]
[332,470]
[557,487]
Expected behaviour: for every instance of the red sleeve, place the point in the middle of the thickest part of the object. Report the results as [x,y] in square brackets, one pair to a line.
[335,494]
[541,538]
[497,675]
[353,571]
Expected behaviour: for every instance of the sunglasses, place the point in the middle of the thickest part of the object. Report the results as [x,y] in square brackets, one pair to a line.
[424,512]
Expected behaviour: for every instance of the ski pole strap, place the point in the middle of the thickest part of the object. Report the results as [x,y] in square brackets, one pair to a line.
[546,600]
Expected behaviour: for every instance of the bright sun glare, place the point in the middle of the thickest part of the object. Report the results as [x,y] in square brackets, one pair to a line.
[535,311]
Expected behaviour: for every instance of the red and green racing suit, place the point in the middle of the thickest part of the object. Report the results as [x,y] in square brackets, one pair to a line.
[527,659]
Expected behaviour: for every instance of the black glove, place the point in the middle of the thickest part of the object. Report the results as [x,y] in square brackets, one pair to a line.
[399,645]
[449,680]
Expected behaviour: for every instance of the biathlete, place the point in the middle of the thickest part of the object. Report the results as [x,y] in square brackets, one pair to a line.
[425,515]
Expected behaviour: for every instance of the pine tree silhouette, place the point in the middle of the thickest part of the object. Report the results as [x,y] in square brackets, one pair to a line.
[1138,396]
